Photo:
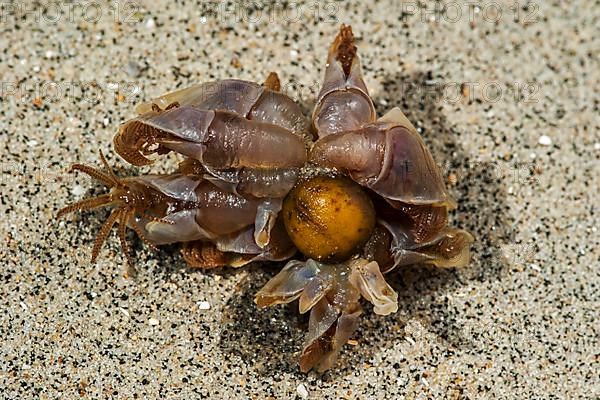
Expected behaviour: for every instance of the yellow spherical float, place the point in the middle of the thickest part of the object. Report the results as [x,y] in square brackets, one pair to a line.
[328,218]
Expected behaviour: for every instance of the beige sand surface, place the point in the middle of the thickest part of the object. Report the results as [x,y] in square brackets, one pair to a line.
[506,97]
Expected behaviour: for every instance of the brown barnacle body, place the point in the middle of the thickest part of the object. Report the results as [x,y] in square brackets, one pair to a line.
[132,199]
[219,139]
[390,158]
[260,103]
[365,198]
[174,208]
[343,102]
[208,122]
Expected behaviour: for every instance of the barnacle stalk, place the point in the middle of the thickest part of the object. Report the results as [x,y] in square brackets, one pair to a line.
[331,292]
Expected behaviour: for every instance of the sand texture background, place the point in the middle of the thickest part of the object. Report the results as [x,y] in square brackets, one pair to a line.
[505,94]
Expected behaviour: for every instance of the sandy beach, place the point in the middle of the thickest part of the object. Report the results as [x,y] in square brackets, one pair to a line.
[506,96]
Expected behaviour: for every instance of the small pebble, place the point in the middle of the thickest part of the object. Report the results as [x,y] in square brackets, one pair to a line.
[133,69]
[78,191]
[545,140]
[302,391]
[54,106]
[452,179]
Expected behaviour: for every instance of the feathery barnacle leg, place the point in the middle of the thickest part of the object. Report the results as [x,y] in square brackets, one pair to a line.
[204,255]
[272,82]
[331,292]
[135,141]
[128,201]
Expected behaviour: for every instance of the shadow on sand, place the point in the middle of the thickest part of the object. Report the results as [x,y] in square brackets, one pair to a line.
[270,340]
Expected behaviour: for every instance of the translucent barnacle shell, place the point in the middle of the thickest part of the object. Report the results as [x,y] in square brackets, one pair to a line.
[331,292]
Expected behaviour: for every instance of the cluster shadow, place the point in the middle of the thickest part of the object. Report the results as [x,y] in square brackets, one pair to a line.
[270,340]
